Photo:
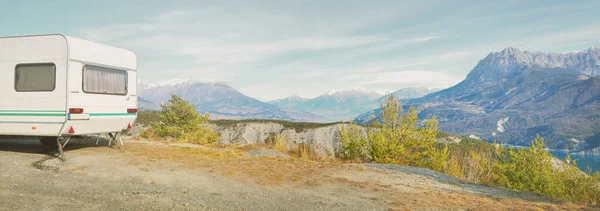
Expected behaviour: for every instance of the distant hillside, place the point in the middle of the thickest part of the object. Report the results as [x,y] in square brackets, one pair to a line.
[336,106]
[513,95]
[144,104]
[414,92]
[289,102]
[345,105]
[220,100]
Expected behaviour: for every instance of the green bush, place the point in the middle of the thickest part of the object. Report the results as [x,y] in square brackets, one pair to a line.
[523,169]
[179,121]
[531,169]
[395,138]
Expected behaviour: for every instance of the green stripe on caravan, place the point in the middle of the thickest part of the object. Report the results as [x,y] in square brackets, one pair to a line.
[55,113]
[34,111]
[31,114]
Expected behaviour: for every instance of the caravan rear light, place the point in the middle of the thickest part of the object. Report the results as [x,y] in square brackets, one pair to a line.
[132,110]
[76,110]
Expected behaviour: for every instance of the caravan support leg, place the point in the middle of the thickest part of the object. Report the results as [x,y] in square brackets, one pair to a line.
[110,139]
[61,153]
[61,147]
[121,138]
[114,138]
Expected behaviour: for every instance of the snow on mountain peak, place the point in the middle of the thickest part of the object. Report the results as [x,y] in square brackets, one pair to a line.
[175,82]
[356,91]
[437,88]
[170,82]
[573,52]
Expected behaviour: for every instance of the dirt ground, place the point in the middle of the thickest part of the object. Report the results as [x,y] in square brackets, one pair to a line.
[155,176]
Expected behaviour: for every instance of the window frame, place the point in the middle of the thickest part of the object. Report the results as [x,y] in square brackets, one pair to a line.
[35,64]
[110,68]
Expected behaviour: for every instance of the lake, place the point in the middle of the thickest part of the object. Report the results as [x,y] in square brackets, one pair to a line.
[583,161]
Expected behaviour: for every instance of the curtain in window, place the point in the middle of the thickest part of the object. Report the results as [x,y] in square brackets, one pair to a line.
[35,77]
[104,80]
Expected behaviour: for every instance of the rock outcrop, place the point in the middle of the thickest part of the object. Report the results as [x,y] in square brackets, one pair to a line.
[324,141]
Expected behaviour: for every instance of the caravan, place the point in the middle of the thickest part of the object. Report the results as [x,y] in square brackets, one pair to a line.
[54,87]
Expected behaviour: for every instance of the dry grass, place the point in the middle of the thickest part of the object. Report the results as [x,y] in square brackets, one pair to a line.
[281,144]
[230,162]
[304,172]
[304,152]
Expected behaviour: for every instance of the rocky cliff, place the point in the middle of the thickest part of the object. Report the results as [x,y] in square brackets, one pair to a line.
[325,140]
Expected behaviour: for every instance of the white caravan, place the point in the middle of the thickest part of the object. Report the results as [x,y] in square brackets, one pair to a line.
[54,87]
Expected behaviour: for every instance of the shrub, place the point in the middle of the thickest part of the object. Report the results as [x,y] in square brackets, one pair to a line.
[395,137]
[281,144]
[531,170]
[524,169]
[147,134]
[304,152]
[277,142]
[178,120]
[354,145]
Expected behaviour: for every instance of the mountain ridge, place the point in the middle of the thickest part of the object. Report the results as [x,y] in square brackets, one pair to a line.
[345,105]
[523,93]
[221,101]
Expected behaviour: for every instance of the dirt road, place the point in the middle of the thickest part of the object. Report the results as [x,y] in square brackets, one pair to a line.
[153,176]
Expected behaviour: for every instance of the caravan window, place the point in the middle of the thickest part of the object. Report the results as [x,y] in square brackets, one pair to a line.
[35,77]
[100,80]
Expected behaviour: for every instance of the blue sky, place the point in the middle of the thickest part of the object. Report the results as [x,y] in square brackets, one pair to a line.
[274,49]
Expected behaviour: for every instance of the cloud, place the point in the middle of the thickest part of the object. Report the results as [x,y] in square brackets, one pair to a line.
[456,55]
[588,34]
[411,78]
[308,47]
[390,44]
[187,33]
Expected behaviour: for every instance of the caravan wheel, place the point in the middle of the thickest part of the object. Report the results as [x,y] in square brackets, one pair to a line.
[48,142]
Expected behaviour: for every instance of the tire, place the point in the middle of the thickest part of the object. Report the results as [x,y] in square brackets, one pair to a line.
[48,142]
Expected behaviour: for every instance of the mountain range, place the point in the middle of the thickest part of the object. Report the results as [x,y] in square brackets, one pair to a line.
[220,100]
[512,95]
[509,96]
[224,102]
[335,106]
[344,105]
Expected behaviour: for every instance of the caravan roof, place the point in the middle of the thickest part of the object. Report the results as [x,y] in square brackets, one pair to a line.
[76,49]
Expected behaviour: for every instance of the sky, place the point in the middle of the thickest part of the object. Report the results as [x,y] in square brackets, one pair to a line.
[274,49]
